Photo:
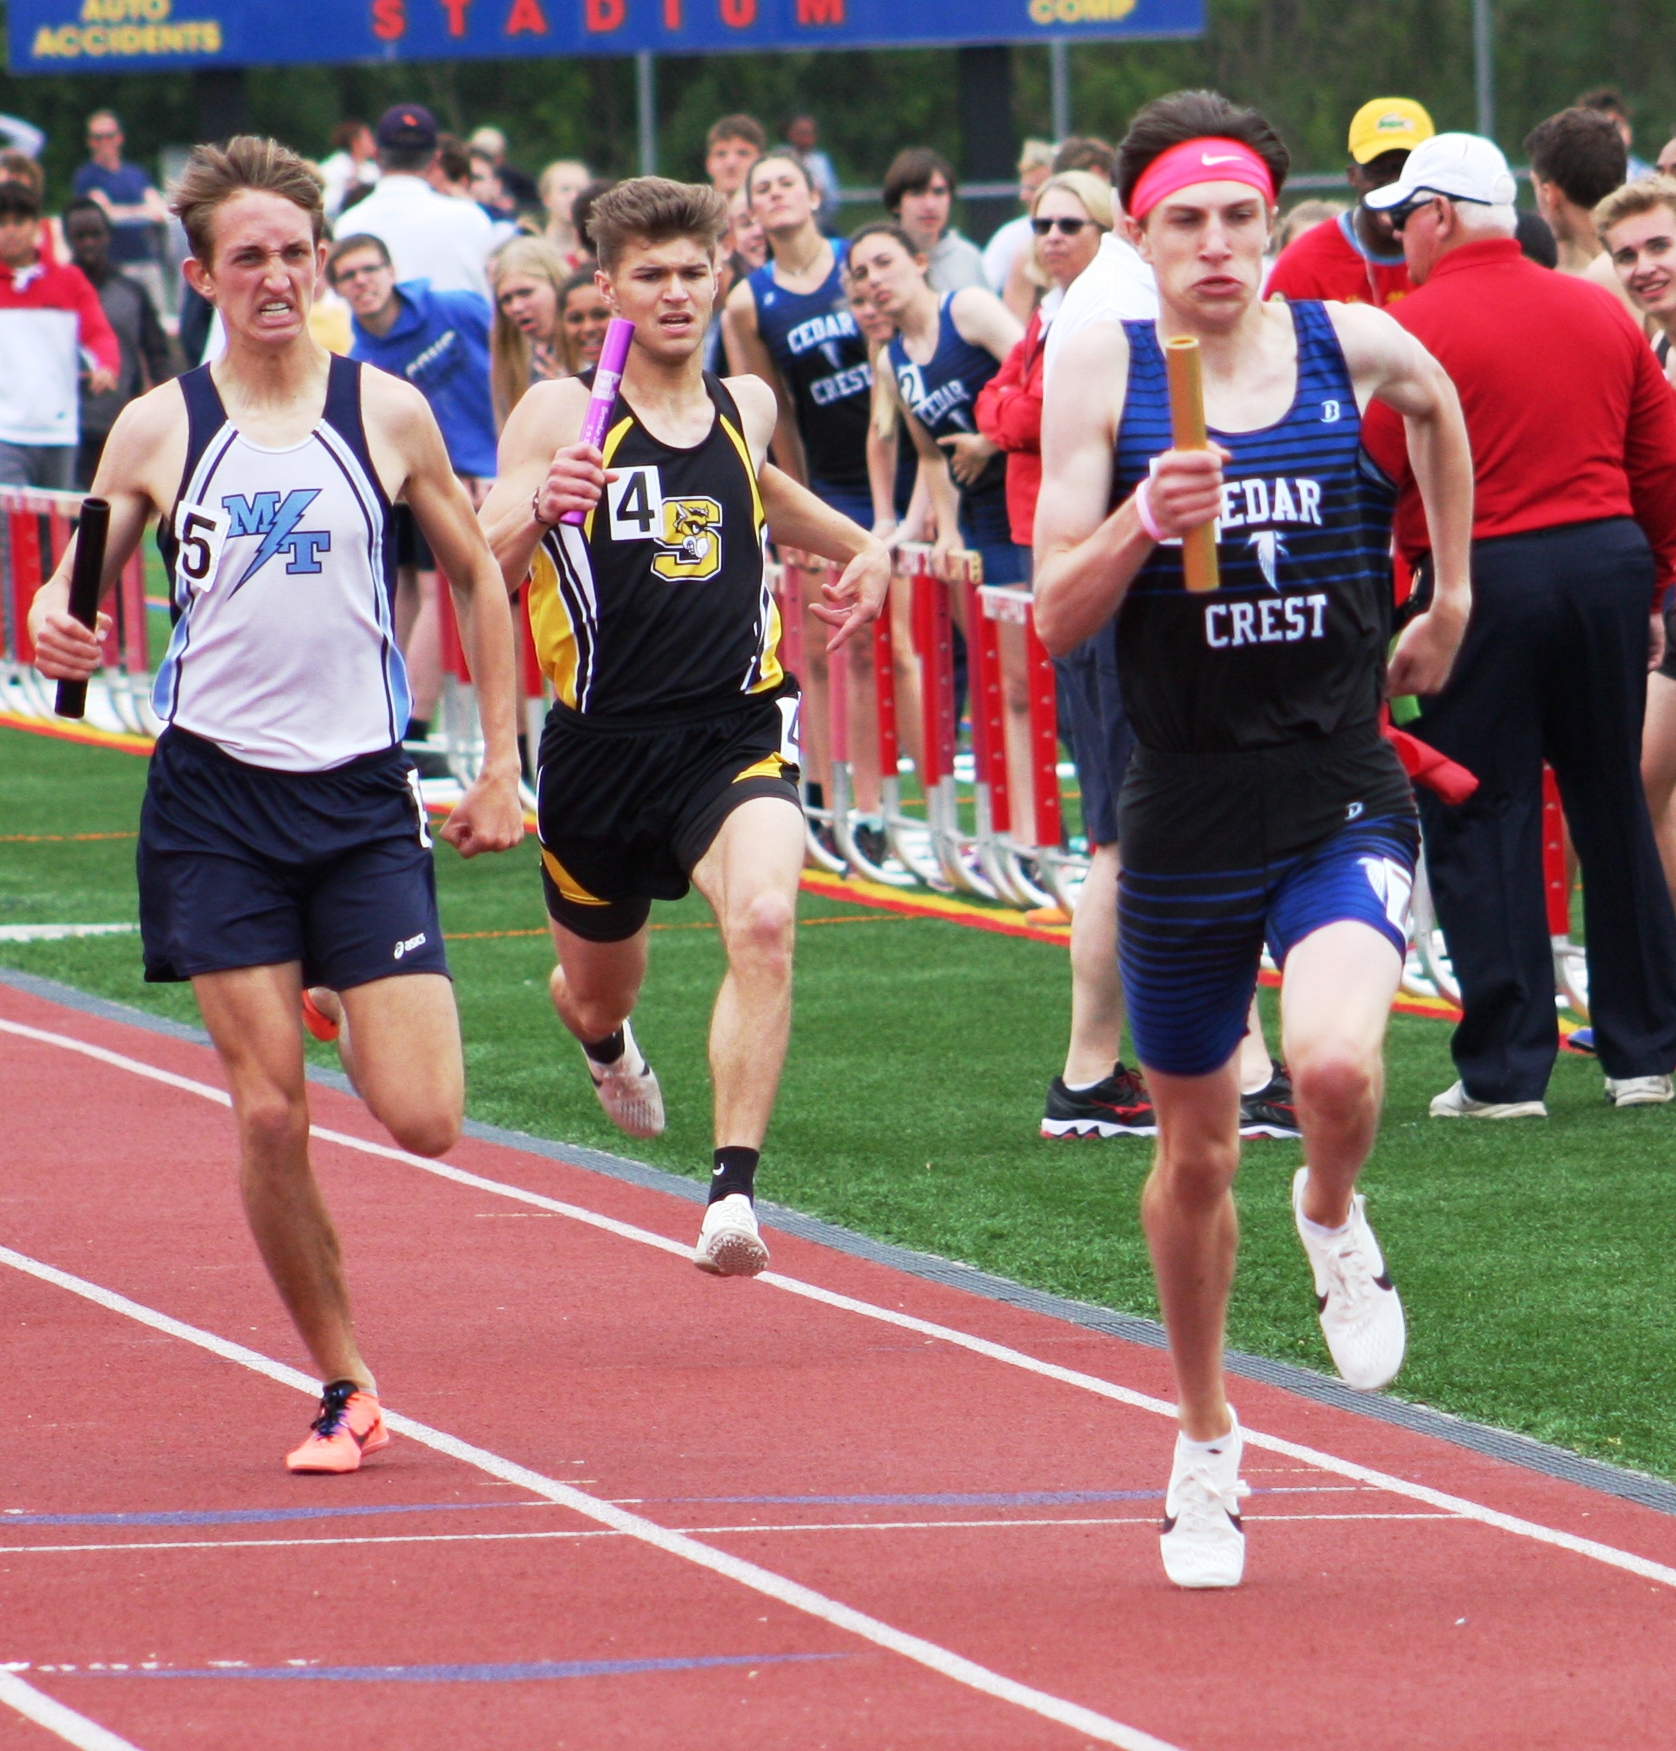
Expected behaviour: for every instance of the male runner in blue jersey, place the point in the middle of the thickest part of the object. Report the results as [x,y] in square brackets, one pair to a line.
[670,755]
[1261,799]
[283,838]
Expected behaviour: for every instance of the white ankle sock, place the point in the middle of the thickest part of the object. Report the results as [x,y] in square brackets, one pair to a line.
[1191,1449]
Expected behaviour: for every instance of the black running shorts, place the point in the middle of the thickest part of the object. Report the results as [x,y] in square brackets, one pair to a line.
[626,811]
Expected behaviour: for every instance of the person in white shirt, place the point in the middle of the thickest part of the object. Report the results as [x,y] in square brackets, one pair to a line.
[354,161]
[429,236]
[1117,286]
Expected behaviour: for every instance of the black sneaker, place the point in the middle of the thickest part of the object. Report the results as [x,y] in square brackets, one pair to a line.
[1117,1107]
[1269,1112]
[870,841]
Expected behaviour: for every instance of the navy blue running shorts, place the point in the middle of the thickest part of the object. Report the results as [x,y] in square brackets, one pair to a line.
[243,866]
[1190,944]
[1096,727]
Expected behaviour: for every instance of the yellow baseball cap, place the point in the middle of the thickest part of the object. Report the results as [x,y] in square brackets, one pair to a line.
[1388,124]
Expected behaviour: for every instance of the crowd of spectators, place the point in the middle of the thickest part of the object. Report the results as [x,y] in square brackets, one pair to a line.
[455,267]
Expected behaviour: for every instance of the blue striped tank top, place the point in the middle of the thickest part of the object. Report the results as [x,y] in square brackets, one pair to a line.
[1291,648]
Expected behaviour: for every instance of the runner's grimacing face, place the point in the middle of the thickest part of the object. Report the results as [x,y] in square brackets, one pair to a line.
[667,291]
[886,274]
[1205,243]
[1643,251]
[779,196]
[265,266]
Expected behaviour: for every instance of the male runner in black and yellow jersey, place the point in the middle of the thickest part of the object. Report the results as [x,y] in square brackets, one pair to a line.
[671,753]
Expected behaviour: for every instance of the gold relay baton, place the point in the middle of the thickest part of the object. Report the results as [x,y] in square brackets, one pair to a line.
[1187,432]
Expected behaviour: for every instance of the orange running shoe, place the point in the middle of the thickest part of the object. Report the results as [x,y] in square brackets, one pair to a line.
[350,1425]
[317,1021]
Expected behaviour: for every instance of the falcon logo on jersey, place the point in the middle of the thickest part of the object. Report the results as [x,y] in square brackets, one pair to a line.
[1270,547]
[275,520]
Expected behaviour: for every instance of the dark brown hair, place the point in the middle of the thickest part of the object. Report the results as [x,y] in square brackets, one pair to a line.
[352,245]
[885,228]
[1195,115]
[654,209]
[1582,152]
[1086,152]
[911,172]
[778,157]
[214,174]
[737,127]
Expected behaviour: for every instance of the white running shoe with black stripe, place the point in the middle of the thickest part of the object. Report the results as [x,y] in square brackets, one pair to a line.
[1203,1539]
[628,1090]
[1361,1312]
[728,1242]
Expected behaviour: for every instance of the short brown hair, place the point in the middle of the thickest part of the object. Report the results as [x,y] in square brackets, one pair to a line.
[1195,115]
[1634,199]
[1581,152]
[353,245]
[214,174]
[911,173]
[654,210]
[1086,152]
[737,127]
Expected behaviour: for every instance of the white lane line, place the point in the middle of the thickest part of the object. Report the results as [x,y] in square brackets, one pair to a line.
[1416,1492]
[691,1531]
[64,1723]
[940,1660]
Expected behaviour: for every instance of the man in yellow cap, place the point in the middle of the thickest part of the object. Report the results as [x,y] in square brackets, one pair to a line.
[1357,258]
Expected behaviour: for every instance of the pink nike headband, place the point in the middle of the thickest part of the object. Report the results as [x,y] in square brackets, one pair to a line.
[1203,160]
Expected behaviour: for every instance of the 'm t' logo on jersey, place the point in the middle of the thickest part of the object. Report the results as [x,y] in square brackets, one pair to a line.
[275,520]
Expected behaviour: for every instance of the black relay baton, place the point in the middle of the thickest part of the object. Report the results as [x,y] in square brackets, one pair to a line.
[84,592]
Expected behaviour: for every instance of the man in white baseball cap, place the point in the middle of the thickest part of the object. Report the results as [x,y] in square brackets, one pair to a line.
[1573,547]
[1462,167]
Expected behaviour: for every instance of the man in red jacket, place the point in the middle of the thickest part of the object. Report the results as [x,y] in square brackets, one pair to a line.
[1573,433]
[50,318]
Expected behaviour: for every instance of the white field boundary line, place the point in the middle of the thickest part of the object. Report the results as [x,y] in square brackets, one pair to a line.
[64,1723]
[794,1594]
[1150,1520]
[1608,1554]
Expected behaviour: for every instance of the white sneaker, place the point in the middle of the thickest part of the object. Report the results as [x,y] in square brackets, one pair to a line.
[1456,1103]
[631,1097]
[728,1243]
[1638,1091]
[1203,1542]
[1361,1312]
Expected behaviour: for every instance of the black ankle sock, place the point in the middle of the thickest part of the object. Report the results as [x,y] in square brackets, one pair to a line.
[608,1050]
[735,1171]
[418,730]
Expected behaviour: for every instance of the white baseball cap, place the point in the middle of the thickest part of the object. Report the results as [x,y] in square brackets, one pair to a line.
[1466,167]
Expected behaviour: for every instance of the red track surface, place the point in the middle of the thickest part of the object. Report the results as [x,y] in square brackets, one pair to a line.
[1369,1619]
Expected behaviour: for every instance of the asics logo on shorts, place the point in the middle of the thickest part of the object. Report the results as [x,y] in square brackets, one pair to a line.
[1392,883]
[413,942]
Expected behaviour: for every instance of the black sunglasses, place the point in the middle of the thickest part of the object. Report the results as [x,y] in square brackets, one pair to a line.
[1400,216]
[1065,227]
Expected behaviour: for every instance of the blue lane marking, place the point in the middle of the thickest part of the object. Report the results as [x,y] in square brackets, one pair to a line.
[484,1674]
[942,1499]
[248,1516]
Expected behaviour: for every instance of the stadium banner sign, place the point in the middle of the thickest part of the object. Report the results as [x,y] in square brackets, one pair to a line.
[150,36]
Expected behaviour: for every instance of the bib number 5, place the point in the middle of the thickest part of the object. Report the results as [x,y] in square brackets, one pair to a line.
[201,533]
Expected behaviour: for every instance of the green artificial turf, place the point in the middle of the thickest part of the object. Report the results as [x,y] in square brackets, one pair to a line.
[1534,1257]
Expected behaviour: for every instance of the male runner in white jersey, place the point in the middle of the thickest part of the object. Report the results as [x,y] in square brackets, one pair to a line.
[283,837]
[669,756]
[1260,799]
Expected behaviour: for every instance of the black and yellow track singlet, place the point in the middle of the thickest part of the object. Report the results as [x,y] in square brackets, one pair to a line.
[656,607]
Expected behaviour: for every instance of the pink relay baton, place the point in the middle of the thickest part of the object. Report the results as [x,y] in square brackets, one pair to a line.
[613,355]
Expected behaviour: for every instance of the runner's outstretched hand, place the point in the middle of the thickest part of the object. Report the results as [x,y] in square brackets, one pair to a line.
[489,817]
[856,599]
